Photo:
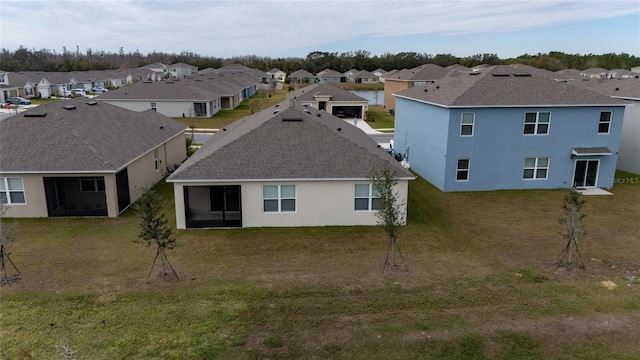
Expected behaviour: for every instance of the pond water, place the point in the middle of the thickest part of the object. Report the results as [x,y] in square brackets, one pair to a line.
[375,97]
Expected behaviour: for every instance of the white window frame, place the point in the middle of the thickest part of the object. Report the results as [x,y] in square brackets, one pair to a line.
[280,198]
[608,122]
[536,166]
[536,124]
[463,124]
[6,191]
[459,170]
[372,195]
[156,160]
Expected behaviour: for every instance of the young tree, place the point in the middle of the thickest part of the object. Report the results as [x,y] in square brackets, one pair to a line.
[571,229]
[391,215]
[154,229]
[7,235]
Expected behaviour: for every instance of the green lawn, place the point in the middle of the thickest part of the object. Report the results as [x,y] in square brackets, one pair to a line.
[481,285]
[378,118]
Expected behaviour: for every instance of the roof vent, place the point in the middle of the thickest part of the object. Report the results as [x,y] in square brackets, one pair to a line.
[522,75]
[437,86]
[275,112]
[291,119]
[319,115]
[501,75]
[307,111]
[69,107]
[91,103]
[339,129]
[425,90]
[35,114]
[617,89]
[277,105]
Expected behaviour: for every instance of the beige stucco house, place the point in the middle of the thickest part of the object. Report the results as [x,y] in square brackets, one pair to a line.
[83,158]
[288,165]
[334,100]
[405,79]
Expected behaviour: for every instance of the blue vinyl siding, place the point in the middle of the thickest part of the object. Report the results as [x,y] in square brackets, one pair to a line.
[498,146]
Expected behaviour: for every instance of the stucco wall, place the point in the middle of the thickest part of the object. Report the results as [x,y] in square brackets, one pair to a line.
[390,87]
[166,108]
[629,158]
[318,203]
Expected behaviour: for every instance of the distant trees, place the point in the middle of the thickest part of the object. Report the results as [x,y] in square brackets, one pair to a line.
[24,59]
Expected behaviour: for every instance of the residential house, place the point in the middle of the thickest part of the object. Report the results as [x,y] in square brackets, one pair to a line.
[173,98]
[405,79]
[595,73]
[330,76]
[334,100]
[350,75]
[157,71]
[380,74]
[83,158]
[501,128]
[288,165]
[302,77]
[16,84]
[277,74]
[365,77]
[626,89]
[181,70]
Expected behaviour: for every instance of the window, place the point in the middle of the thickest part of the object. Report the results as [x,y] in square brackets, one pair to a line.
[536,168]
[279,198]
[605,122]
[156,161]
[536,123]
[11,191]
[462,171]
[153,107]
[92,184]
[367,198]
[466,126]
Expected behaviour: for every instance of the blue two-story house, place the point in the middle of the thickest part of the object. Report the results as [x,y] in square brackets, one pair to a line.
[502,128]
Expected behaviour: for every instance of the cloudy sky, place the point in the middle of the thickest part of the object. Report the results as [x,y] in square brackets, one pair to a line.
[295,28]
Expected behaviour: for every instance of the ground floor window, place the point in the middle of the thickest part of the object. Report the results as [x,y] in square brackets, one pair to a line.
[462,171]
[11,191]
[536,168]
[279,198]
[367,198]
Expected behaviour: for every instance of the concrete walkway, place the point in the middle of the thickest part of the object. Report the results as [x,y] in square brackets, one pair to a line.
[361,124]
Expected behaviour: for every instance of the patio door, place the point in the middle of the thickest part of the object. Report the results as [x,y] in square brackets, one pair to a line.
[586,173]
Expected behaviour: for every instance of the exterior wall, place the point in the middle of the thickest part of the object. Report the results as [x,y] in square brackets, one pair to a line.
[629,158]
[423,130]
[390,87]
[498,147]
[36,200]
[143,173]
[312,207]
[166,108]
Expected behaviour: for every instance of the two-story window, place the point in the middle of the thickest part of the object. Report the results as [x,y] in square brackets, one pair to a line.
[11,191]
[366,198]
[279,198]
[466,124]
[535,168]
[536,123]
[462,170]
[605,122]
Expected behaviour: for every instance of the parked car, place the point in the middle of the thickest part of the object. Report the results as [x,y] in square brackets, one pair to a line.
[100,89]
[65,93]
[18,100]
[78,92]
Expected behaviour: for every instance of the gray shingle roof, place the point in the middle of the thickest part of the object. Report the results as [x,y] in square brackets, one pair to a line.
[160,90]
[266,146]
[498,86]
[420,73]
[336,93]
[89,138]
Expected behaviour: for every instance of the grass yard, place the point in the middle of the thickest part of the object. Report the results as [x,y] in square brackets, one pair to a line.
[378,118]
[481,284]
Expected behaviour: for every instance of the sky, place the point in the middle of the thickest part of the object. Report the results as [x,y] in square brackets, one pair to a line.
[280,29]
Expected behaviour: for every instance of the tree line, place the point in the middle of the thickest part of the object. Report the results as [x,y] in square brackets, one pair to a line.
[24,59]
